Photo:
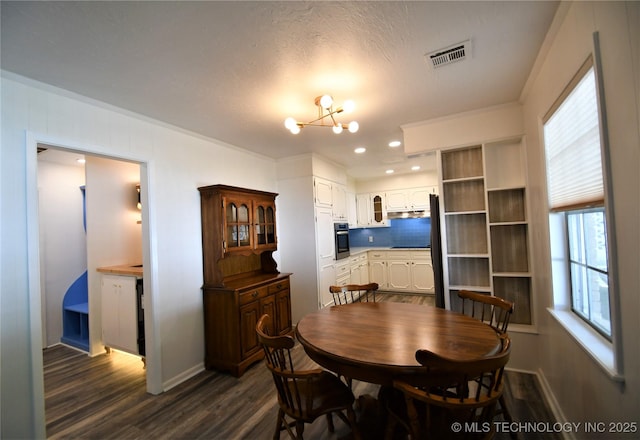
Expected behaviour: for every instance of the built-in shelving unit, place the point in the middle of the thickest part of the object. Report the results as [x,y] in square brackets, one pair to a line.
[486,237]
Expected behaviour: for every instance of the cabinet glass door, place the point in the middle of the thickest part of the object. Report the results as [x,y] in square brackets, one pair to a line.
[265,226]
[238,231]
[377,209]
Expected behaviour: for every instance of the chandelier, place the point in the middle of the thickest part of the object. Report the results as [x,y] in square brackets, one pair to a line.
[326,117]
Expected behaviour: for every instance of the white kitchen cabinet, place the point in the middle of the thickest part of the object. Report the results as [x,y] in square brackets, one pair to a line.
[371,210]
[322,192]
[352,210]
[397,200]
[339,200]
[399,275]
[327,277]
[325,233]
[343,272]
[359,269]
[402,270]
[378,268]
[119,313]
[364,269]
[409,199]
[422,279]
[418,198]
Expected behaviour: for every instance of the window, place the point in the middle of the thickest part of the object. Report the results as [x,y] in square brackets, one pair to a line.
[576,192]
[589,268]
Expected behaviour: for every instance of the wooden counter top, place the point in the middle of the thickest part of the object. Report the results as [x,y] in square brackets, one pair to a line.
[125,269]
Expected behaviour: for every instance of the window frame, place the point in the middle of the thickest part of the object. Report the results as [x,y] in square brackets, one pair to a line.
[570,261]
[608,354]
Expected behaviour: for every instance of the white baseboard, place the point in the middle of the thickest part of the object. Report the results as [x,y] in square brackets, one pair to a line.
[550,398]
[185,375]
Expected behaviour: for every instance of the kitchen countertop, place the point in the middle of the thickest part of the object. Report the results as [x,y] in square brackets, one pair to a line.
[358,250]
[125,269]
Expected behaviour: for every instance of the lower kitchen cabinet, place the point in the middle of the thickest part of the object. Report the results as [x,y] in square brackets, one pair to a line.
[402,271]
[422,279]
[120,312]
[231,314]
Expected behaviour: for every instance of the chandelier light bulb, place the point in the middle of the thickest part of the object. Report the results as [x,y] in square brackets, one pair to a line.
[337,129]
[289,123]
[326,101]
[348,106]
[295,129]
[353,126]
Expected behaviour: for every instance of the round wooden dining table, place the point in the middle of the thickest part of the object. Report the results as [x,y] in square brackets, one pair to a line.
[377,342]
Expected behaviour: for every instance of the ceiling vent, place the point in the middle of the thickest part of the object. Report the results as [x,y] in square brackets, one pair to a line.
[448,55]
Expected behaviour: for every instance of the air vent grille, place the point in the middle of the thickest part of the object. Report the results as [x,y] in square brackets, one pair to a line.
[448,55]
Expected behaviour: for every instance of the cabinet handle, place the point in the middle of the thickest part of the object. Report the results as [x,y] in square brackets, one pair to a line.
[254,294]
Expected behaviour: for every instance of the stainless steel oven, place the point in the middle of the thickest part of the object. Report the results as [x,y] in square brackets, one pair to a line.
[341,232]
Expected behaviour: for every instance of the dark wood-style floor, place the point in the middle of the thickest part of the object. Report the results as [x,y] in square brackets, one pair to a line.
[105,398]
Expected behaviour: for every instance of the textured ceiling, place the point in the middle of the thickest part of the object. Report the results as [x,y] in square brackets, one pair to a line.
[235,70]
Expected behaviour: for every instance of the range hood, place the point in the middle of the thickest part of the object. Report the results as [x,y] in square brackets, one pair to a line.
[393,215]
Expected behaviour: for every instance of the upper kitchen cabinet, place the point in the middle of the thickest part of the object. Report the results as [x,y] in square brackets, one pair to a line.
[371,210]
[411,199]
[485,223]
[328,194]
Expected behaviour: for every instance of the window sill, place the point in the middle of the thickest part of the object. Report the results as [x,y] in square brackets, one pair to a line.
[594,344]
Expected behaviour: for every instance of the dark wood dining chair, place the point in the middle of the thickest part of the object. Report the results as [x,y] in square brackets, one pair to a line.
[430,404]
[494,311]
[487,308]
[303,395]
[354,293]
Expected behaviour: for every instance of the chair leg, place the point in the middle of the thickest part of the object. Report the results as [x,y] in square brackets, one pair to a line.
[506,415]
[276,435]
[330,422]
[299,430]
[351,415]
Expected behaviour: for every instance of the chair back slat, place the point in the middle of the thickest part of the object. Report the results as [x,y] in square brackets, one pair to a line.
[490,309]
[354,293]
[450,391]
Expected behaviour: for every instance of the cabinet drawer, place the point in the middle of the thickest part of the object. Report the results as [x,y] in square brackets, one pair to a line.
[399,255]
[421,255]
[245,297]
[277,287]
[377,255]
[342,269]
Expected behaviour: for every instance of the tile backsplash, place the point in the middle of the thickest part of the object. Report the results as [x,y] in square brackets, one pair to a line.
[401,232]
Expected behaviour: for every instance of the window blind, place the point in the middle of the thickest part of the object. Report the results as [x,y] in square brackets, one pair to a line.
[572,146]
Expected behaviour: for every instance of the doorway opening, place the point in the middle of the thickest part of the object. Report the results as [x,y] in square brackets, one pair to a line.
[34,223]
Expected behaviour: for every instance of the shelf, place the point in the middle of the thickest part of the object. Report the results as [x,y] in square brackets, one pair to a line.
[467,271]
[467,234]
[464,195]
[76,326]
[505,166]
[517,290]
[507,205]
[462,163]
[509,249]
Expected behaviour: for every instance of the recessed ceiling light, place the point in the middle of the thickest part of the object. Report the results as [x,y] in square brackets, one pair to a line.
[360,150]
[389,171]
[394,144]
[415,168]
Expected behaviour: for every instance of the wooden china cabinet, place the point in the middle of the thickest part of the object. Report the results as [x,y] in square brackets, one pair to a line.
[241,279]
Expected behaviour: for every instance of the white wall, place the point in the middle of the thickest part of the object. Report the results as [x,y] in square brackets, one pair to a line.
[580,387]
[113,235]
[175,163]
[63,244]
[296,232]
